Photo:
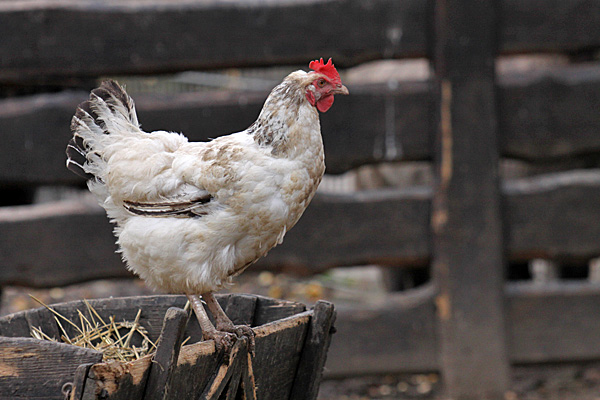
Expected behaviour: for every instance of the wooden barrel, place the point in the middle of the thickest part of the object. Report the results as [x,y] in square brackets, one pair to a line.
[291,347]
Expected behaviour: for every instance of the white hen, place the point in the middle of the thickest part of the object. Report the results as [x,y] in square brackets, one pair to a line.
[190,215]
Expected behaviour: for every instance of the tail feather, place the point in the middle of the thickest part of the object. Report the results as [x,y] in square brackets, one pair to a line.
[107,114]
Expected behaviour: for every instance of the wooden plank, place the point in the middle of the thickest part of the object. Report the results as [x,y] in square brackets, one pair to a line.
[15,325]
[269,310]
[554,216]
[79,381]
[314,353]
[223,375]
[78,226]
[542,116]
[380,227]
[240,308]
[554,323]
[466,221]
[117,381]
[159,381]
[278,343]
[195,367]
[32,368]
[42,318]
[200,35]
[395,335]
[207,34]
[35,129]
[545,323]
[537,226]
[550,114]
[549,26]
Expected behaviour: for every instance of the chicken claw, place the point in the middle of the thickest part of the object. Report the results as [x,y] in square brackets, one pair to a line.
[240,331]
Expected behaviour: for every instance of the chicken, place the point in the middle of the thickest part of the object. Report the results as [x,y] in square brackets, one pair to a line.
[191,215]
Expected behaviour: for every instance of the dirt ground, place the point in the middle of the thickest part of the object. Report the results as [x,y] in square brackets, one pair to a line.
[545,382]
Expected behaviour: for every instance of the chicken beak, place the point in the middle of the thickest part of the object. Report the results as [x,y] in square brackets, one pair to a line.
[341,89]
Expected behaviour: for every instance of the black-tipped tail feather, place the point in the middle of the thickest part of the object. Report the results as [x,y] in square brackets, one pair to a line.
[108,108]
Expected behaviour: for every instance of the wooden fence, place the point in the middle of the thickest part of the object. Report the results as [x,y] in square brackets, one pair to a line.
[469,323]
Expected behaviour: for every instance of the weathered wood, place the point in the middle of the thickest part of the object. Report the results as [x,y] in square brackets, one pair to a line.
[553,323]
[240,308]
[200,35]
[545,323]
[395,335]
[389,227]
[550,114]
[314,353]
[207,34]
[43,319]
[167,352]
[223,376]
[542,116]
[247,383]
[117,381]
[77,226]
[194,367]
[553,216]
[542,26]
[38,369]
[270,310]
[169,373]
[15,325]
[79,381]
[468,249]
[278,343]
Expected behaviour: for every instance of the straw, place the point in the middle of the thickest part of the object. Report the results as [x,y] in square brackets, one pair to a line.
[92,332]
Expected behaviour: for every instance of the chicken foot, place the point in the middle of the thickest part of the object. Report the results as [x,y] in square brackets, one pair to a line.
[224,324]
[223,339]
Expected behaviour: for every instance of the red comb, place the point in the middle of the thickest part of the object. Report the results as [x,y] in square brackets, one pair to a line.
[326,69]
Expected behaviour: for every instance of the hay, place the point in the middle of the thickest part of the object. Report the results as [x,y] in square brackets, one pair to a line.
[113,339]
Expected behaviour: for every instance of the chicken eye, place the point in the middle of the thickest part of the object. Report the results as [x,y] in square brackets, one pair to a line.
[321,82]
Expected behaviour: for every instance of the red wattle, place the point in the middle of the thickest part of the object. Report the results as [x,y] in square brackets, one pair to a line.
[325,103]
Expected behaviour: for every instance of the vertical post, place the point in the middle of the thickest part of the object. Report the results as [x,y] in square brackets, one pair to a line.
[468,260]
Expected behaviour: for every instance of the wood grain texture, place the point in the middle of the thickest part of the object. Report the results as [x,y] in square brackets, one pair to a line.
[398,334]
[211,35]
[385,227]
[201,35]
[545,323]
[32,368]
[278,343]
[164,362]
[314,353]
[543,116]
[466,219]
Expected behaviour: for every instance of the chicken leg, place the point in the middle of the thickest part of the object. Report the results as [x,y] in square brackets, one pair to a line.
[224,324]
[225,333]
[223,339]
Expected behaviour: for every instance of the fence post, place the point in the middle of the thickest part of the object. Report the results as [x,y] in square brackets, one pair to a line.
[468,259]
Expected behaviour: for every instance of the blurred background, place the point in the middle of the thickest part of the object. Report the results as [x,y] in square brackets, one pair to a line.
[457,230]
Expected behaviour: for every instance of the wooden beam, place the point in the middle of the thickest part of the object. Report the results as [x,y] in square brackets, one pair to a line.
[24,360]
[397,334]
[545,323]
[65,41]
[468,249]
[386,227]
[35,130]
[164,361]
[543,116]
[314,352]
[553,216]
